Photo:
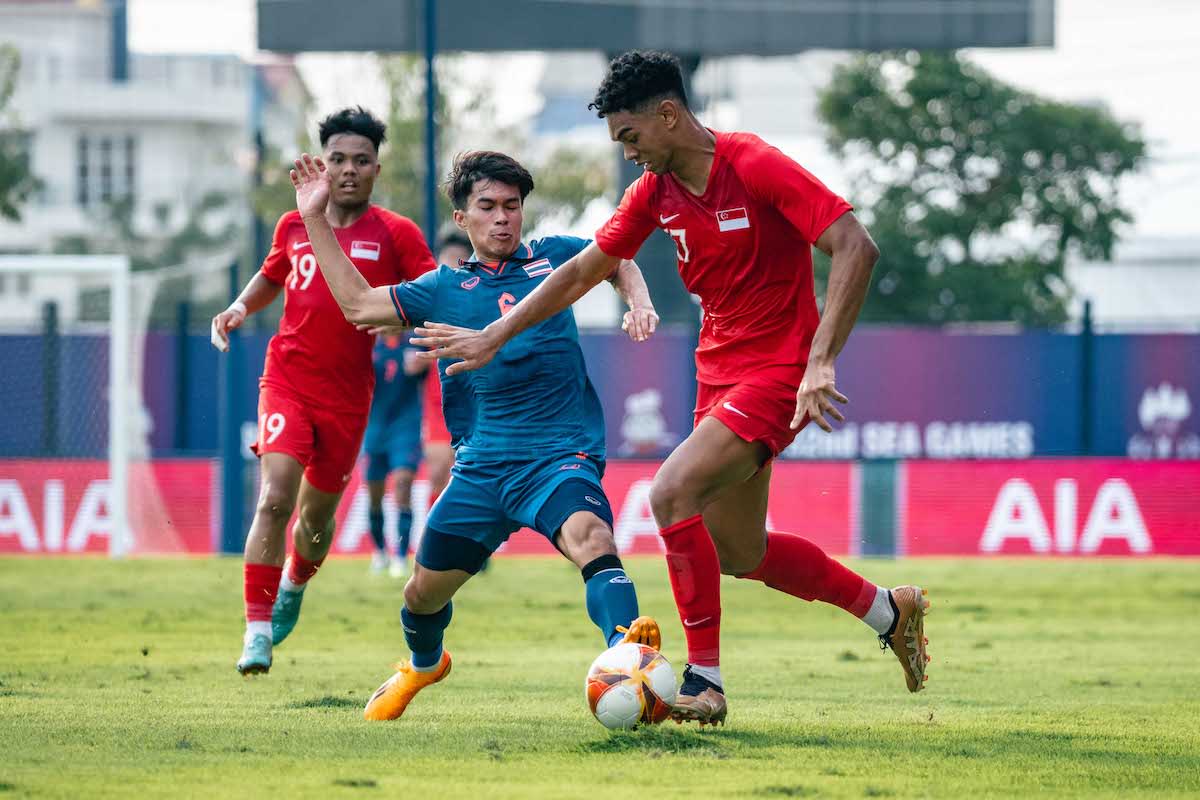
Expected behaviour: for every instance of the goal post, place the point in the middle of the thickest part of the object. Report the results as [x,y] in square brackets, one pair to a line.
[47,278]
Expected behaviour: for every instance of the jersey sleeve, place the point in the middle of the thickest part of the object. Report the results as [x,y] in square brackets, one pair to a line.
[802,199]
[631,224]
[412,253]
[414,299]
[276,266]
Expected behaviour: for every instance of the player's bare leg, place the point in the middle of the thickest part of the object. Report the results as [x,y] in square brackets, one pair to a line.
[587,540]
[402,493]
[426,614]
[375,492]
[264,555]
[439,458]
[312,536]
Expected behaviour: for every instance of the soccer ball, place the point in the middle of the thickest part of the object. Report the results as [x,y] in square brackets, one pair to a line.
[630,685]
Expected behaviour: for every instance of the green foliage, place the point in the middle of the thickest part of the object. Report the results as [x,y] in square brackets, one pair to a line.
[975,190]
[1050,678]
[17,181]
[211,226]
[565,182]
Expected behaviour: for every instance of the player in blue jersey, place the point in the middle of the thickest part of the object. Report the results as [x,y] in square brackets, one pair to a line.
[528,430]
[393,445]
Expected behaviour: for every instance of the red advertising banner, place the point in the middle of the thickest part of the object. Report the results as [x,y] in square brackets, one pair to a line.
[1057,507]
[54,507]
[815,499]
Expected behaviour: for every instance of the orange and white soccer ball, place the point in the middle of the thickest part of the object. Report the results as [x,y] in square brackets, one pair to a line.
[630,685]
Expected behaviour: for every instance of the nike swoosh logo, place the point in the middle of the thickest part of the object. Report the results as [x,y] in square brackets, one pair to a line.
[729,407]
[691,623]
[301,245]
[665,220]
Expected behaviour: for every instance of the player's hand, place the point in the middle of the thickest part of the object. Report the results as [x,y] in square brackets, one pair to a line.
[223,323]
[475,348]
[312,183]
[639,323]
[816,395]
[383,330]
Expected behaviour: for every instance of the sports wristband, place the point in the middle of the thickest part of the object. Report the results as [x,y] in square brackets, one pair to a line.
[239,307]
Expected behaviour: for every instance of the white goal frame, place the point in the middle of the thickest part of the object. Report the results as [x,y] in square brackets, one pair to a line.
[116,269]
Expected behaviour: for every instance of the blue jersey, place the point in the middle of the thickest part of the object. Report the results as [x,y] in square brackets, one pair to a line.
[534,398]
[396,406]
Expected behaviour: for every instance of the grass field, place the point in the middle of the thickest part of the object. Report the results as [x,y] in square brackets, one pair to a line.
[1049,677]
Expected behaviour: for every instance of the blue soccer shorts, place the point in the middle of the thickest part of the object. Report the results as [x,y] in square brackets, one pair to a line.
[485,503]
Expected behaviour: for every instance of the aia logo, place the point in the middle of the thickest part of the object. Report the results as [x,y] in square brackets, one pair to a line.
[506,302]
[470,283]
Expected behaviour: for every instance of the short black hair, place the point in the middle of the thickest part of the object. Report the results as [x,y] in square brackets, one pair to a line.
[353,120]
[449,235]
[480,165]
[637,77]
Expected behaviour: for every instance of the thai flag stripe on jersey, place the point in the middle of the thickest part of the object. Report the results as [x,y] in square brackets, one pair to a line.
[539,267]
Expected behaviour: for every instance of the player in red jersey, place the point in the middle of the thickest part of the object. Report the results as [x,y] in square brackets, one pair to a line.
[744,218]
[316,387]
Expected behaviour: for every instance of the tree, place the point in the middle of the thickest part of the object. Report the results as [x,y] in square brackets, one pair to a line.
[975,190]
[17,181]
[566,180]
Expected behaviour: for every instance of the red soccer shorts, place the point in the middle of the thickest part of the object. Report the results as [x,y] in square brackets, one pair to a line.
[326,442]
[759,409]
[435,431]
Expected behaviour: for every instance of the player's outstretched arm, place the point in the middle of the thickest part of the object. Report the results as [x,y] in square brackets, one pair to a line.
[854,255]
[641,320]
[567,284]
[259,293]
[361,303]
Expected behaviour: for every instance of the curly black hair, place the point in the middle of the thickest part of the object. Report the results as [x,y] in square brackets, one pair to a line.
[636,78]
[480,165]
[353,120]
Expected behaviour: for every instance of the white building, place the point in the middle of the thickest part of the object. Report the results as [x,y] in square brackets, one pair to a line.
[178,128]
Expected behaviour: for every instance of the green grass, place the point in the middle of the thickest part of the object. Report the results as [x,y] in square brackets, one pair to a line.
[1049,677]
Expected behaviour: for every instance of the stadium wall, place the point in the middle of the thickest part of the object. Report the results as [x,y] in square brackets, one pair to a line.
[915,393]
[1061,507]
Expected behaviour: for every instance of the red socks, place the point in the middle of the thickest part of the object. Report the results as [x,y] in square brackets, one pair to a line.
[695,574]
[301,569]
[261,585]
[798,567]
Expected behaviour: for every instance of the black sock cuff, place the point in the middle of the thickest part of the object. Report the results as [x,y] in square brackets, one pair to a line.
[600,564]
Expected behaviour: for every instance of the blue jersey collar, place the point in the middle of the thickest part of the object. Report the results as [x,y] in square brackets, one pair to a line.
[523,253]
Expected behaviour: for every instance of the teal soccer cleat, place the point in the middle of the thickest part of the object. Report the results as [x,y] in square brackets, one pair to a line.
[285,613]
[256,656]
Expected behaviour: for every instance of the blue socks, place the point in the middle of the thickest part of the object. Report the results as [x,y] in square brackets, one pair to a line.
[423,633]
[403,530]
[376,518]
[611,598]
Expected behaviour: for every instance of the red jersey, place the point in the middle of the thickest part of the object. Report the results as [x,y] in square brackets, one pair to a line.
[317,354]
[744,246]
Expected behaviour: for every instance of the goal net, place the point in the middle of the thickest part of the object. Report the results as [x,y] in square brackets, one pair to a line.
[77,472]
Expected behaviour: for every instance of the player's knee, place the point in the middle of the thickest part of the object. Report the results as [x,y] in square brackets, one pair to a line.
[418,599]
[586,537]
[671,499]
[276,504]
[404,482]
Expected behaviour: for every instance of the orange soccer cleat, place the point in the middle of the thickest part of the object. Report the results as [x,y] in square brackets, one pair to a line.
[390,699]
[643,630]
